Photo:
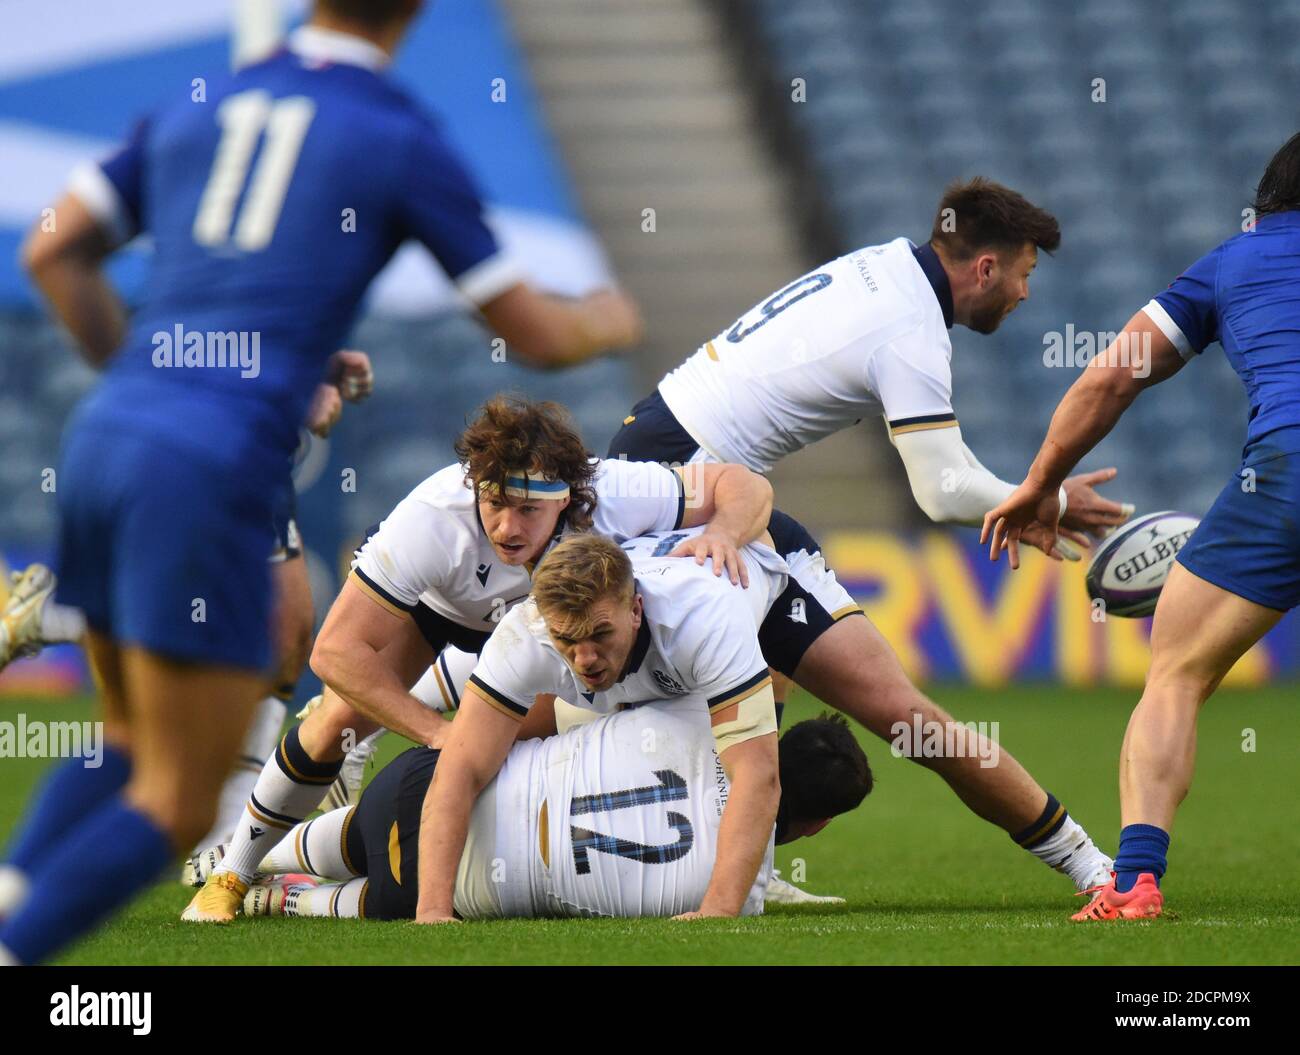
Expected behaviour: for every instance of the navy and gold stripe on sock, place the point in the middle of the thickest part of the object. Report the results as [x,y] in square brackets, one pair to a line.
[1048,824]
[300,767]
[270,818]
[300,848]
[344,838]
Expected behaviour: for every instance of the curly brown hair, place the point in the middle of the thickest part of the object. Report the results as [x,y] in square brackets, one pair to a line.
[513,433]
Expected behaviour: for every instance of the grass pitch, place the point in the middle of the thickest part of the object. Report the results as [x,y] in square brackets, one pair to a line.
[926,881]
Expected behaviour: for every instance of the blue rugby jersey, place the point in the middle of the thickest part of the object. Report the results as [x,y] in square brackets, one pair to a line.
[272,204]
[1246,295]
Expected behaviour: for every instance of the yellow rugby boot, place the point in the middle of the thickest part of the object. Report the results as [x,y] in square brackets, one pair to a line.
[219,900]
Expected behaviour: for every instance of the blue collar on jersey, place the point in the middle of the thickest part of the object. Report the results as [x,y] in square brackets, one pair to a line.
[929,262]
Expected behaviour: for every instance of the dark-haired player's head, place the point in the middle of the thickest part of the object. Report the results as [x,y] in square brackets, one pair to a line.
[384,22]
[988,237]
[527,464]
[824,772]
[586,594]
[1279,187]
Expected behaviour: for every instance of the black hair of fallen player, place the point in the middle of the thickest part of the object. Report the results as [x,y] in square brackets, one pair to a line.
[824,771]
[986,215]
[1279,187]
[373,13]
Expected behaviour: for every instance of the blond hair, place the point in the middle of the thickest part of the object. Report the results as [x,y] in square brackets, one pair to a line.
[577,574]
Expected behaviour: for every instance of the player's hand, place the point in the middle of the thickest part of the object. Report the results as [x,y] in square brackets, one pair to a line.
[1004,525]
[710,545]
[620,317]
[325,410]
[1069,545]
[429,918]
[703,915]
[351,373]
[1086,510]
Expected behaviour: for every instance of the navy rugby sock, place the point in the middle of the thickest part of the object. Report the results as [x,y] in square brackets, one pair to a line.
[1142,848]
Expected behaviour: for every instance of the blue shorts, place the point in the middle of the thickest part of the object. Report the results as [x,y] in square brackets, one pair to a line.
[286,539]
[1249,541]
[163,550]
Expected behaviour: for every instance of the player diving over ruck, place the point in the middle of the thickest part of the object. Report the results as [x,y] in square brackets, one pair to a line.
[619,816]
[443,568]
[866,335]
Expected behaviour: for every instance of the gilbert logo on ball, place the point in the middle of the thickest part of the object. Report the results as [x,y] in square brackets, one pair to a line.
[1130,568]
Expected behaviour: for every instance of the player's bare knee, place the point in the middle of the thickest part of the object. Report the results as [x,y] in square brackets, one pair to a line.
[186,817]
[295,649]
[1178,680]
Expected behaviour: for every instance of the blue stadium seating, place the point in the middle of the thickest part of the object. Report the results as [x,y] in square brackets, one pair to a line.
[905,96]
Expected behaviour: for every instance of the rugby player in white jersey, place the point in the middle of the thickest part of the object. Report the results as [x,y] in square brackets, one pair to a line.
[607,627]
[863,336]
[619,816]
[443,568]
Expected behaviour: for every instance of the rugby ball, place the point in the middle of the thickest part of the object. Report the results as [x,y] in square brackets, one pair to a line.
[1130,567]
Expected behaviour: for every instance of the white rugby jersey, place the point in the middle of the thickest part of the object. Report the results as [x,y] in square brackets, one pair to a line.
[432,549]
[865,334]
[617,817]
[698,637]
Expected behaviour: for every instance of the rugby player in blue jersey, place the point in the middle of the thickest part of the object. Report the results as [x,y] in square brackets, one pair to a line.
[1240,571]
[272,202]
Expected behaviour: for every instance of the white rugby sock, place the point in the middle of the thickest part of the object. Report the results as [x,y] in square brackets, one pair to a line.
[260,740]
[290,786]
[339,900]
[1072,851]
[61,623]
[318,847]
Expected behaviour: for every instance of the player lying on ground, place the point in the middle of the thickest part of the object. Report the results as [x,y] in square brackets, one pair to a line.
[1240,571]
[619,816]
[259,290]
[30,618]
[442,569]
[607,627]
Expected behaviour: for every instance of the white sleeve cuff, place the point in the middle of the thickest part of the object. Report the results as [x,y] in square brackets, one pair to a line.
[96,192]
[1155,311]
[489,278]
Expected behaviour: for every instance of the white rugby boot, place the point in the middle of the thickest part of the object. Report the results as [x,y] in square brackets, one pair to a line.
[779,892]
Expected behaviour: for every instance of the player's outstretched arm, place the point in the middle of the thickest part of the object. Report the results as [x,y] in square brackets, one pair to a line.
[480,739]
[354,655]
[1085,415]
[746,825]
[551,332]
[735,503]
[65,262]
